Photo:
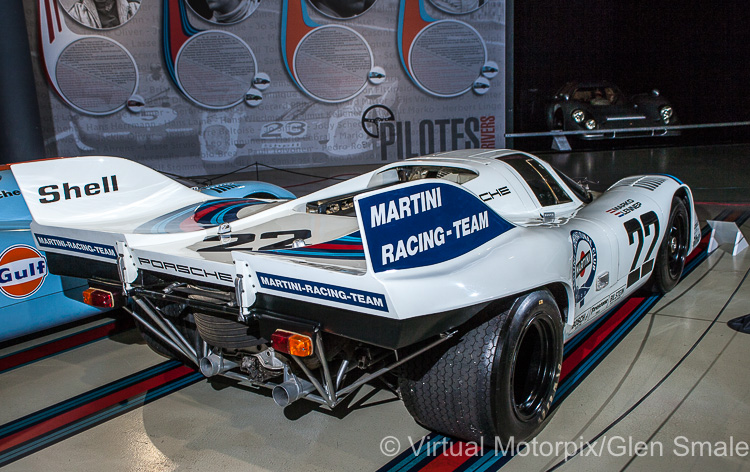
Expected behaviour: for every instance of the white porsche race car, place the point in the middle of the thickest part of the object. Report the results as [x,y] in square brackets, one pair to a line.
[460,275]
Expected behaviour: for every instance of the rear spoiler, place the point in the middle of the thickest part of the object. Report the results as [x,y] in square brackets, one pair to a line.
[89,192]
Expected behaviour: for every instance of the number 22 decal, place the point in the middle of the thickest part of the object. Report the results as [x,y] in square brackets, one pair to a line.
[247,238]
[642,229]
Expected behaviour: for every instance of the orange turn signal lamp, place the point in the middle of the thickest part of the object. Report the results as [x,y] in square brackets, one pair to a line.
[98,298]
[295,344]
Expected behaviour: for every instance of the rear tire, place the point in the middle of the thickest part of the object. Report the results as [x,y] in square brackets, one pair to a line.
[225,333]
[497,380]
[670,260]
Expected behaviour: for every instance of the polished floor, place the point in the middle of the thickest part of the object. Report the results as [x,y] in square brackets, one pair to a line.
[631,399]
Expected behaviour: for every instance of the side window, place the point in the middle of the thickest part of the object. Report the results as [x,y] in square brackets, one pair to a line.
[541,182]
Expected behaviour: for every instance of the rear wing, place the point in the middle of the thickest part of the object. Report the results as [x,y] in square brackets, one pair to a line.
[89,192]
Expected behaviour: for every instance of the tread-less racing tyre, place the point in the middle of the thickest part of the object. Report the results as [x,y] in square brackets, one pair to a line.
[670,260]
[496,380]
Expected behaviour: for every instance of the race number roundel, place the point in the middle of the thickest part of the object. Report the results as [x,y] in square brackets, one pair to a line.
[22,271]
[584,264]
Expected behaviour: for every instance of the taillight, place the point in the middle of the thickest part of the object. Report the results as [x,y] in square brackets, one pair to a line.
[295,344]
[98,298]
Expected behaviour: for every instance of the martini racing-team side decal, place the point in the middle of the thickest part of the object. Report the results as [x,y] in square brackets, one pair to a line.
[334,293]
[584,268]
[75,245]
[22,271]
[425,224]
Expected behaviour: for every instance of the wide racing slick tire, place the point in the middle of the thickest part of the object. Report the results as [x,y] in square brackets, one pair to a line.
[496,381]
[226,333]
[670,259]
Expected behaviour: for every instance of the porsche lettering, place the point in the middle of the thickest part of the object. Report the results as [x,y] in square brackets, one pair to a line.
[184,269]
[8,194]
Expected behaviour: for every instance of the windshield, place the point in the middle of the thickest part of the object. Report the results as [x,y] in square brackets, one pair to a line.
[411,173]
[597,96]
[542,184]
[343,205]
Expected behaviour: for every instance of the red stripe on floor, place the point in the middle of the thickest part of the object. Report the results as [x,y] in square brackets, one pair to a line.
[53,347]
[451,461]
[699,248]
[76,414]
[724,204]
[588,346]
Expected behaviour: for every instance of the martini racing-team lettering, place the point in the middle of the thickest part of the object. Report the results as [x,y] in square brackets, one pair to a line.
[334,293]
[426,240]
[328,292]
[79,246]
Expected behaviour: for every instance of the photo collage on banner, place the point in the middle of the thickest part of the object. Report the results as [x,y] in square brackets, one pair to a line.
[208,86]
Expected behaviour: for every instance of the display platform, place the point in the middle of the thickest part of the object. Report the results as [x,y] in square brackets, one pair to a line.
[94,397]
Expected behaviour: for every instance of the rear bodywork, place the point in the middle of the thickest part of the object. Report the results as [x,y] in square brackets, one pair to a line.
[374,270]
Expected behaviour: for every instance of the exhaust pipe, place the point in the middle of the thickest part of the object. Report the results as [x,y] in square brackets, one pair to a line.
[290,391]
[214,365]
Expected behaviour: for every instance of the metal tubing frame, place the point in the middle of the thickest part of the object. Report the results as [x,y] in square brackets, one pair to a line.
[368,377]
[343,369]
[153,330]
[330,392]
[329,385]
[168,329]
[327,399]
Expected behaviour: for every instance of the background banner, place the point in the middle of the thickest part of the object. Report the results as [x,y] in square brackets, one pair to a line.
[208,86]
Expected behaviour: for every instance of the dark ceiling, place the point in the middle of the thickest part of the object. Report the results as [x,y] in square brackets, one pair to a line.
[696,53]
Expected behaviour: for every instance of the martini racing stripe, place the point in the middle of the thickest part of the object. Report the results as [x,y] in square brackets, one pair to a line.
[216,212]
[345,247]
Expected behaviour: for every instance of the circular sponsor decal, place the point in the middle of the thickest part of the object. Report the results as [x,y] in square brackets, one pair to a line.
[96,75]
[584,264]
[22,271]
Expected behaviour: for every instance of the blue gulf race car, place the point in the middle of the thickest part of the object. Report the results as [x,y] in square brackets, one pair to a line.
[32,299]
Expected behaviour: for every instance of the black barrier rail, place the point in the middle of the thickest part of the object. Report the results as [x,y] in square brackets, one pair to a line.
[627,130]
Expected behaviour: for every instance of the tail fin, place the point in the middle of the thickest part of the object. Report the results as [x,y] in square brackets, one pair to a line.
[94,190]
